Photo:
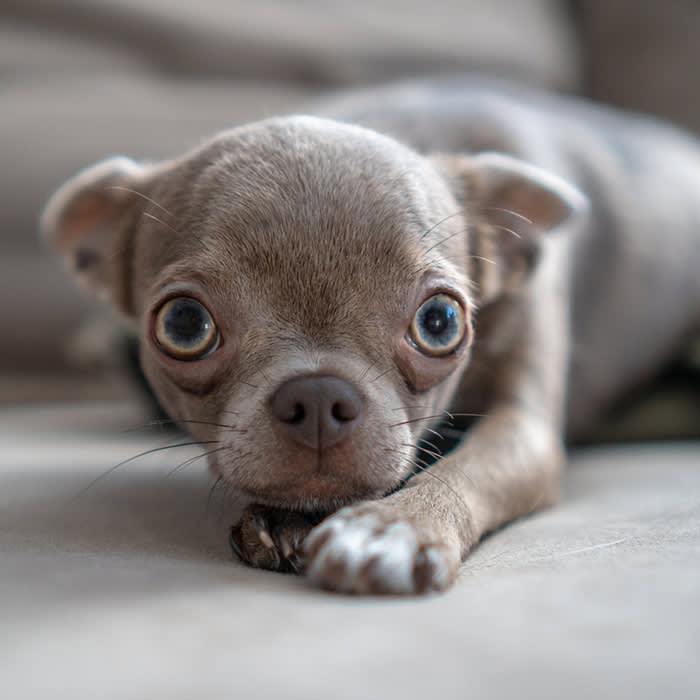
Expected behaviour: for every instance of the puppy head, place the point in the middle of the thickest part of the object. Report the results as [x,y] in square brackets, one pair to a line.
[304,291]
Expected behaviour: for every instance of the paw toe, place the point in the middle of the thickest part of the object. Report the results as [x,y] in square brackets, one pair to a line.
[377,555]
[269,539]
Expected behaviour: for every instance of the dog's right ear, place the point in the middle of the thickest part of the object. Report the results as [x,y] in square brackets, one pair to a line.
[90,222]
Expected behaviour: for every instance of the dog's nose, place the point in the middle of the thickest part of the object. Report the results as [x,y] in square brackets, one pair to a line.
[317,411]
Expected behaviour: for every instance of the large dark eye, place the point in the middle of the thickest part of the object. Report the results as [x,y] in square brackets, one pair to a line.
[438,326]
[185,330]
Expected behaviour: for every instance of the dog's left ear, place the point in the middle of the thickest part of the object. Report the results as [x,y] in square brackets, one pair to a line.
[511,204]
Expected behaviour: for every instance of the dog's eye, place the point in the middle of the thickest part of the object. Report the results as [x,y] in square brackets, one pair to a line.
[438,326]
[185,330]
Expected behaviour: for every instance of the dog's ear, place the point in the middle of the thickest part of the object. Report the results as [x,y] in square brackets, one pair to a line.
[90,221]
[510,205]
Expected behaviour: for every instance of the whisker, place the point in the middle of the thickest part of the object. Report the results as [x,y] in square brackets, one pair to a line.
[481,257]
[439,436]
[412,457]
[265,377]
[171,421]
[508,211]
[463,414]
[437,455]
[439,223]
[149,424]
[449,422]
[131,459]
[379,376]
[427,442]
[212,490]
[194,459]
[444,240]
[418,271]
[416,420]
[139,194]
[160,221]
[431,453]
[431,445]
[229,428]
[508,230]
[366,371]
[451,415]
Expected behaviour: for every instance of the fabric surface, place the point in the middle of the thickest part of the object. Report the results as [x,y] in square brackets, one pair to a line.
[322,42]
[642,55]
[128,589]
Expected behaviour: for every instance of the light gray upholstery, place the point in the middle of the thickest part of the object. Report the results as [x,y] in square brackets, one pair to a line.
[128,589]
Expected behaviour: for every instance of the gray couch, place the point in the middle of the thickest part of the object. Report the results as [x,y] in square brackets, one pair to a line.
[118,583]
[128,590]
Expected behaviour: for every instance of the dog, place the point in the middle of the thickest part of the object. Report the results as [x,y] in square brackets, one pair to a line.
[319,296]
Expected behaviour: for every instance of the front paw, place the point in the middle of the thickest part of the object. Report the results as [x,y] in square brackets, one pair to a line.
[269,538]
[376,548]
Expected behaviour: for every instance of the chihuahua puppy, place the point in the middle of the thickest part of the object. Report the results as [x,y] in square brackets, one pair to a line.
[316,296]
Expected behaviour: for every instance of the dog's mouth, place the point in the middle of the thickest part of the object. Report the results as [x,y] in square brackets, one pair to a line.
[316,442]
[316,492]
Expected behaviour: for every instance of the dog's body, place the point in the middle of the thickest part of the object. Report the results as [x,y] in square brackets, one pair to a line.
[641,178]
[341,293]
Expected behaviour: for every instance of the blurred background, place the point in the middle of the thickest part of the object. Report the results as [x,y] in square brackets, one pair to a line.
[86,79]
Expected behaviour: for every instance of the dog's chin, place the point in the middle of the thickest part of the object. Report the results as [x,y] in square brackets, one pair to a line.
[313,494]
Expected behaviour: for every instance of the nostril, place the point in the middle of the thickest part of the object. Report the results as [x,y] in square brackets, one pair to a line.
[298,415]
[343,412]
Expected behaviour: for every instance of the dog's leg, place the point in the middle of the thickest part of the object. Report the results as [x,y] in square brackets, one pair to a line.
[508,466]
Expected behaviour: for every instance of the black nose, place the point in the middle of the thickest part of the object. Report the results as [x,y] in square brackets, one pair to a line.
[317,411]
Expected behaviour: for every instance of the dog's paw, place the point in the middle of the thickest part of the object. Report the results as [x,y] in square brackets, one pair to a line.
[269,538]
[375,548]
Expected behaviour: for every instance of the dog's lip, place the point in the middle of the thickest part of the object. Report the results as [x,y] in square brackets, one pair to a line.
[310,488]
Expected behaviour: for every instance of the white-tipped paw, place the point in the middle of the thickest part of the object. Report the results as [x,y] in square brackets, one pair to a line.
[375,548]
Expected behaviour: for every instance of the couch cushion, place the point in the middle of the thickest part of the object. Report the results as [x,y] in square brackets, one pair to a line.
[128,589]
[322,43]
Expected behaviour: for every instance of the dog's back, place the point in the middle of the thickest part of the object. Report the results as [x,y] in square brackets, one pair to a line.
[635,285]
